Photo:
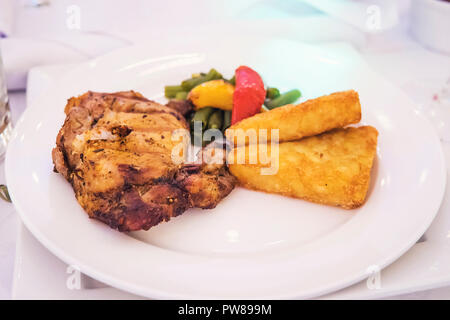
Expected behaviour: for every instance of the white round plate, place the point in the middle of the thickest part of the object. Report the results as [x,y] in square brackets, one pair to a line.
[253,245]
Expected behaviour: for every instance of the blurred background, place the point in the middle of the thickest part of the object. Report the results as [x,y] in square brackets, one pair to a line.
[406,41]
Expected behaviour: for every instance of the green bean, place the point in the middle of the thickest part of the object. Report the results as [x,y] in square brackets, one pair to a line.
[189,84]
[171,91]
[182,95]
[202,115]
[226,120]
[272,93]
[215,120]
[286,98]
[196,136]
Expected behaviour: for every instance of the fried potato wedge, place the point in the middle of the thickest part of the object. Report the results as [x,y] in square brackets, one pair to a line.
[309,118]
[332,168]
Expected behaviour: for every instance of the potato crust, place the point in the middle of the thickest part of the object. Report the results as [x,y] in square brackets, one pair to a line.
[115,149]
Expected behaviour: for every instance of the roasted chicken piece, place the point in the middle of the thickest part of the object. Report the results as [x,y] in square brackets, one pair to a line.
[116,151]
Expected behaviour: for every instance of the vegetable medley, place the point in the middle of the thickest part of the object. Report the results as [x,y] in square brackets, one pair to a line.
[220,102]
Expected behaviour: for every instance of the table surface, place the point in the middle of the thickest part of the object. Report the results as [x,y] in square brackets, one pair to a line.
[416,70]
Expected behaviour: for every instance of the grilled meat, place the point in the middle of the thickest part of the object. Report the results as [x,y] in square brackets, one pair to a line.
[115,149]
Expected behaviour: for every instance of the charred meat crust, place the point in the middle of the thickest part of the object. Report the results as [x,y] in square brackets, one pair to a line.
[118,178]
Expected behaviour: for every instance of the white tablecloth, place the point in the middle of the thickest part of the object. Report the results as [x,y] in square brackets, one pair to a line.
[419,72]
